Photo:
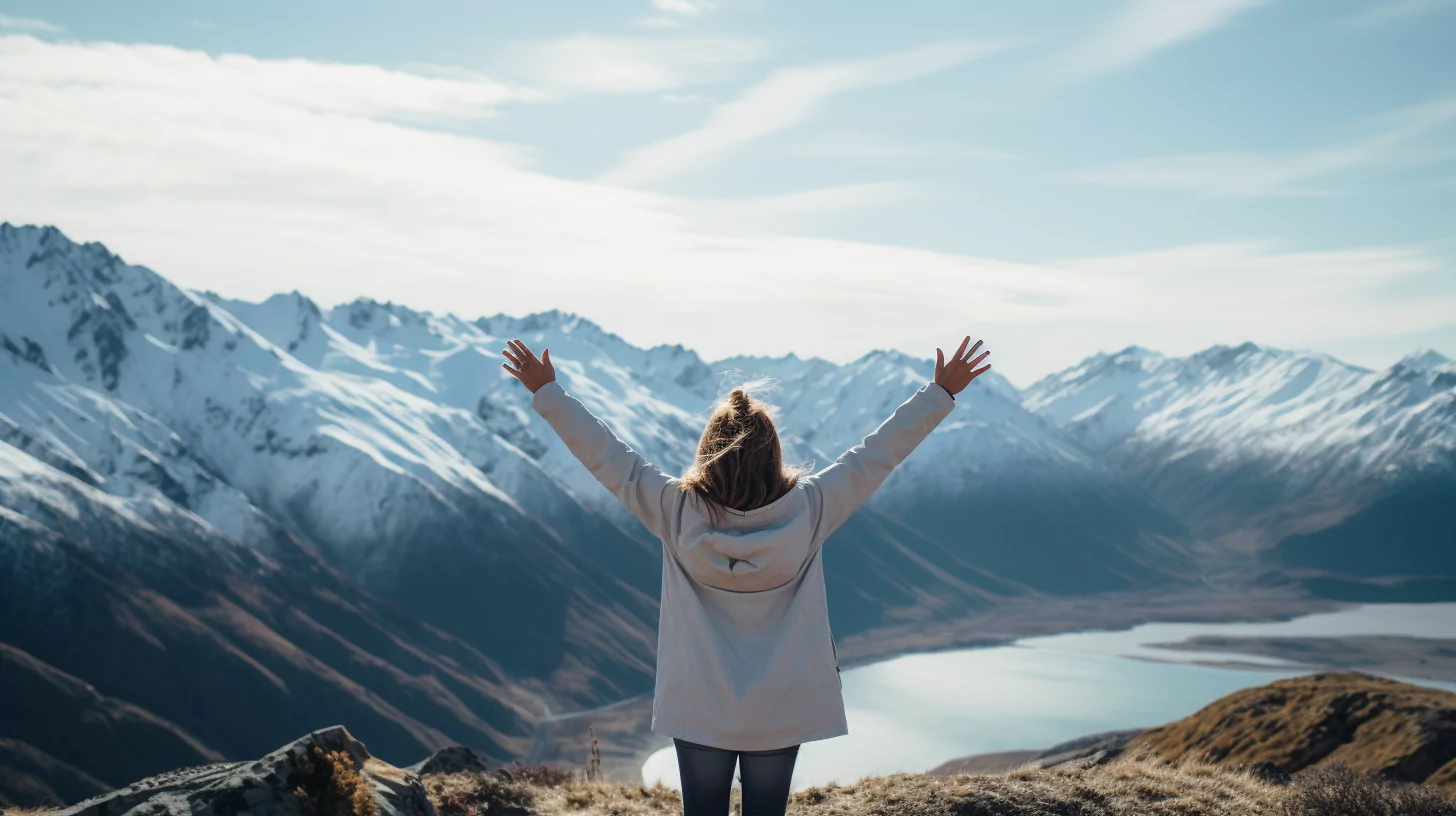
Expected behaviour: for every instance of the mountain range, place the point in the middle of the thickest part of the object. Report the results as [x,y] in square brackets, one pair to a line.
[223,523]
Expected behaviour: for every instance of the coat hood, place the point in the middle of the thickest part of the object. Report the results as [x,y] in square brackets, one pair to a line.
[753,551]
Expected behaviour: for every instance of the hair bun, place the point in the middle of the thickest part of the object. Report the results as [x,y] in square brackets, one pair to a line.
[738,398]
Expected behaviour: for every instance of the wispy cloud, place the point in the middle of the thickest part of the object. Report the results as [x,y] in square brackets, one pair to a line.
[684,8]
[1255,174]
[673,13]
[1394,11]
[797,211]
[251,176]
[884,151]
[594,63]
[785,99]
[32,24]
[1142,28]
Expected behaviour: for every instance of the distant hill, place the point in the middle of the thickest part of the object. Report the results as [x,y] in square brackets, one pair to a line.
[1383,727]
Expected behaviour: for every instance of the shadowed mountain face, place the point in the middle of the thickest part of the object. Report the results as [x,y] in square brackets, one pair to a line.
[1401,547]
[140,650]
[1338,472]
[238,521]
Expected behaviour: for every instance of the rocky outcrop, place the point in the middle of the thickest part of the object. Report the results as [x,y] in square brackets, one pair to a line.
[454,759]
[327,771]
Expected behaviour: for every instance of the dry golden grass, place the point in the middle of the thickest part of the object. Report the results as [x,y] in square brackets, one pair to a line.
[1136,784]
[1372,724]
[329,786]
[1130,785]
[26,811]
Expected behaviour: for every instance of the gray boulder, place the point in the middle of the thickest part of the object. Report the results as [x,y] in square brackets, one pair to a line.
[264,787]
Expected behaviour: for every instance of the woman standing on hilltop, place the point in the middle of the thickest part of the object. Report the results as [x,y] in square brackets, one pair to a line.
[746,666]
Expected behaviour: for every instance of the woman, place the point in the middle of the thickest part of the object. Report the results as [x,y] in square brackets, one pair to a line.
[746,665]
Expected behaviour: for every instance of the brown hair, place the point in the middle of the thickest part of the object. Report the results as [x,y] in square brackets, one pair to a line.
[740,463]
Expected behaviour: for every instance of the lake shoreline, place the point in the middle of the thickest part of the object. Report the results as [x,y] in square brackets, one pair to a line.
[913,712]
[624,728]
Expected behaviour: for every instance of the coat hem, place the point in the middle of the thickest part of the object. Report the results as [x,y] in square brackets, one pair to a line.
[731,744]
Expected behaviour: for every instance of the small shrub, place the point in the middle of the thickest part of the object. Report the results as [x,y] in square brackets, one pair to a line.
[328,785]
[1336,790]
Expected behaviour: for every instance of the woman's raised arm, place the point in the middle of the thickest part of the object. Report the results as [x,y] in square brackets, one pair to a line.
[636,483]
[859,471]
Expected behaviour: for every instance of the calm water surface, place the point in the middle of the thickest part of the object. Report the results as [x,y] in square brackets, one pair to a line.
[914,712]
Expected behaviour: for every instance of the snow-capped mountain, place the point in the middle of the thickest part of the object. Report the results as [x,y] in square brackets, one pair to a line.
[1263,447]
[165,398]
[359,498]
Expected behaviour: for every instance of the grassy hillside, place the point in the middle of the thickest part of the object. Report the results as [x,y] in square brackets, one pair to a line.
[1377,726]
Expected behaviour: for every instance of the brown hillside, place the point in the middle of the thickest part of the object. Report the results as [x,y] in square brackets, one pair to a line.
[1378,726]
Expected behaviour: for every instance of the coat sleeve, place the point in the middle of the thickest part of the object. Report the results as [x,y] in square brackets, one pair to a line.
[855,475]
[637,483]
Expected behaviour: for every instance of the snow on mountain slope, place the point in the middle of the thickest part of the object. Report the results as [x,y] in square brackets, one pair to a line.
[391,487]
[180,634]
[1228,434]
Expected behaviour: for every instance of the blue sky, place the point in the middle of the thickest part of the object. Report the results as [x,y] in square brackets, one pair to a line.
[1056,177]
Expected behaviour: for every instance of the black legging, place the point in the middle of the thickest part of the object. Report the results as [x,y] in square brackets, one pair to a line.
[707,776]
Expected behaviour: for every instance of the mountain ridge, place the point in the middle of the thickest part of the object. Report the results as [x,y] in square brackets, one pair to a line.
[357,503]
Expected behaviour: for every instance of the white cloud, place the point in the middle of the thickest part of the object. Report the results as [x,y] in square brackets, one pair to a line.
[785,99]
[29,24]
[1254,174]
[1142,28]
[594,63]
[251,177]
[235,83]
[1253,290]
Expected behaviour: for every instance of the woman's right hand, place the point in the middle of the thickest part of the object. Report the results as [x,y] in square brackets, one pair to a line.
[524,366]
[955,375]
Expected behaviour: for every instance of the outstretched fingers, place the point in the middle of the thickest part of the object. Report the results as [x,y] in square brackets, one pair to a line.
[525,351]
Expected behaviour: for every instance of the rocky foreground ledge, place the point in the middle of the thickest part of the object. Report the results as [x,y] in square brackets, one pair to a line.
[1323,745]
[326,773]
[348,782]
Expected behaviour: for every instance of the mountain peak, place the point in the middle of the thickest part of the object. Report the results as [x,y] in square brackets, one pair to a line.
[1221,357]
[502,324]
[1423,359]
[370,314]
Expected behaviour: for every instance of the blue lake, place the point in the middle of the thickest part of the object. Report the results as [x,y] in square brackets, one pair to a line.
[914,712]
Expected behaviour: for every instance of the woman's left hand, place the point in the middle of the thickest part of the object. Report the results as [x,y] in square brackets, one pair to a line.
[524,366]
